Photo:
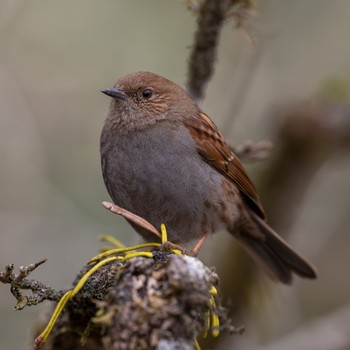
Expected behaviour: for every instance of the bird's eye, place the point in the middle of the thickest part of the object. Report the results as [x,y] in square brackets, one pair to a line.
[147,93]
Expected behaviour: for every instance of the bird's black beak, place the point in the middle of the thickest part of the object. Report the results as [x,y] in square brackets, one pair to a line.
[115,93]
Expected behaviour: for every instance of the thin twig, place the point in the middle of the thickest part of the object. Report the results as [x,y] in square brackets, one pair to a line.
[132,217]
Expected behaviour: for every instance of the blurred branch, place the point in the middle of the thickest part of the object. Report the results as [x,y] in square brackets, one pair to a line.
[310,134]
[249,151]
[211,17]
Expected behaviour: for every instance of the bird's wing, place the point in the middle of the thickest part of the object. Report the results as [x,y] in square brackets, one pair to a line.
[213,148]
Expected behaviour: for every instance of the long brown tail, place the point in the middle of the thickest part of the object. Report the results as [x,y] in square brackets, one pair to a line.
[277,258]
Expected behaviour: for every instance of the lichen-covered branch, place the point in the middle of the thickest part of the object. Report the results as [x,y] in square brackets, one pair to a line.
[159,304]
[131,300]
[19,282]
[143,304]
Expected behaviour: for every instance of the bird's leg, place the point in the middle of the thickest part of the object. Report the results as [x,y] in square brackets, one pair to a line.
[199,244]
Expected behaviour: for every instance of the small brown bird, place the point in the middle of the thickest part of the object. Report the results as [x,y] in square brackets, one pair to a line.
[165,160]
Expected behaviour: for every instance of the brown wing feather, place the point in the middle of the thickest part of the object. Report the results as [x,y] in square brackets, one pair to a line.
[215,151]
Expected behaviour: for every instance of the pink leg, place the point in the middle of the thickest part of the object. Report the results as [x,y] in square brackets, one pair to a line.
[199,244]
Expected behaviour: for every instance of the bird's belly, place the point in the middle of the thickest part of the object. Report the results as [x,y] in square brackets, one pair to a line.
[168,182]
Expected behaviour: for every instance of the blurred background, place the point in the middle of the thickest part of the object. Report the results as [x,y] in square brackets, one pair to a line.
[56,56]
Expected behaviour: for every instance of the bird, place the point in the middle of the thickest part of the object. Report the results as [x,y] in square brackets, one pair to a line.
[165,160]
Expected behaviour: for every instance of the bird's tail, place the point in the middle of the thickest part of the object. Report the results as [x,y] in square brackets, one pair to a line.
[277,258]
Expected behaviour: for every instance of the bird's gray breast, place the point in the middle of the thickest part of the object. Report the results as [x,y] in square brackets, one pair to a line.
[157,174]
